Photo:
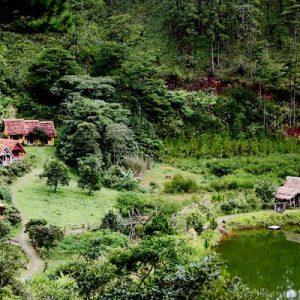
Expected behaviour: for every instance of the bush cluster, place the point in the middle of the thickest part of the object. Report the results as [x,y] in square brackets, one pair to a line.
[5,194]
[17,169]
[121,179]
[180,184]
[231,182]
[43,235]
[242,203]
[127,201]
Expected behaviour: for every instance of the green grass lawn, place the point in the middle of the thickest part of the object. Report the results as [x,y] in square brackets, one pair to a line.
[159,172]
[170,203]
[68,206]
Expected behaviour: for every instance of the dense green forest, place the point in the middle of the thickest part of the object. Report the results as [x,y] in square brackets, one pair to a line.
[197,84]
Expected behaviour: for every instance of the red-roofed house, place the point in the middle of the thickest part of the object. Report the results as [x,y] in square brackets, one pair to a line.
[10,150]
[24,131]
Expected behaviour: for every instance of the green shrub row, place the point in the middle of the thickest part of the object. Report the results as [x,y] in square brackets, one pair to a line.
[225,146]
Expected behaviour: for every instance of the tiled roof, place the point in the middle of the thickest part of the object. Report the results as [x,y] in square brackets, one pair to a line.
[48,127]
[25,127]
[10,144]
[15,126]
[31,124]
[290,189]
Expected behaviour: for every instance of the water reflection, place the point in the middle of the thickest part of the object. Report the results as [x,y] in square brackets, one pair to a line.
[265,260]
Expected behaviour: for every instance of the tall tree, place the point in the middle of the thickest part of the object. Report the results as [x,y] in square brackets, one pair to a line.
[214,19]
[89,170]
[56,173]
[291,14]
[35,15]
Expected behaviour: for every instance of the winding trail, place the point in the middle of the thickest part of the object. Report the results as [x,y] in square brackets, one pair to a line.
[35,264]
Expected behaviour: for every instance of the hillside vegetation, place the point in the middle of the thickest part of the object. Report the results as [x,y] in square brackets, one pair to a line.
[176,112]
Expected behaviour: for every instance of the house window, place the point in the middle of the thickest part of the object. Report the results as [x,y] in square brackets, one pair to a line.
[15,137]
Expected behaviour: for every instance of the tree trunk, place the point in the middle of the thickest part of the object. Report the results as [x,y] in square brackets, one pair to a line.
[264,105]
[212,59]
[291,101]
[218,54]
[294,106]
[268,17]
[295,38]
[199,4]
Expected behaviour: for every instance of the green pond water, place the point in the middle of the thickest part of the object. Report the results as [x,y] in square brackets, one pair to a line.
[266,260]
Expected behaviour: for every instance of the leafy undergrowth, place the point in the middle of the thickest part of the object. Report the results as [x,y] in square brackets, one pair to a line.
[85,243]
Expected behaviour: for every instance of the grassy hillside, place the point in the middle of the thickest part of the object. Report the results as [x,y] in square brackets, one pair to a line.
[68,206]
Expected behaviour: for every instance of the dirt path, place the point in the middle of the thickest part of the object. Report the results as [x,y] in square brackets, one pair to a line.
[35,264]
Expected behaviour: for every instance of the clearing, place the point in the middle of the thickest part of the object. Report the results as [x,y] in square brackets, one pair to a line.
[69,206]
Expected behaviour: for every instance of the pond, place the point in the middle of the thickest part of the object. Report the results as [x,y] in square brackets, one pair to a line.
[266,260]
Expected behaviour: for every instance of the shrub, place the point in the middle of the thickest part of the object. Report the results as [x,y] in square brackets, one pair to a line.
[213,224]
[19,168]
[43,235]
[110,221]
[265,191]
[195,220]
[5,194]
[232,183]
[158,225]
[139,230]
[97,246]
[128,201]
[253,202]
[221,168]
[179,184]
[5,228]
[229,206]
[12,215]
[121,179]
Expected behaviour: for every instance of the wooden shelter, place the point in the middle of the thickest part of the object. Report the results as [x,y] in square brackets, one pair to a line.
[22,130]
[288,196]
[134,218]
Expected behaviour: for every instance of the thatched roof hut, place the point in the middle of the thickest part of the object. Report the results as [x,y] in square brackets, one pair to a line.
[290,192]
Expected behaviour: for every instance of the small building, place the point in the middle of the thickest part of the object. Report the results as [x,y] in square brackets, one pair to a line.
[10,150]
[289,194]
[24,131]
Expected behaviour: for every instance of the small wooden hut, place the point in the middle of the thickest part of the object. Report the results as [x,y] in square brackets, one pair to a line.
[288,196]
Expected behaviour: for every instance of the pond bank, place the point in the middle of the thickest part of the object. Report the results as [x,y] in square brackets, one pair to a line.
[265,260]
[261,219]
